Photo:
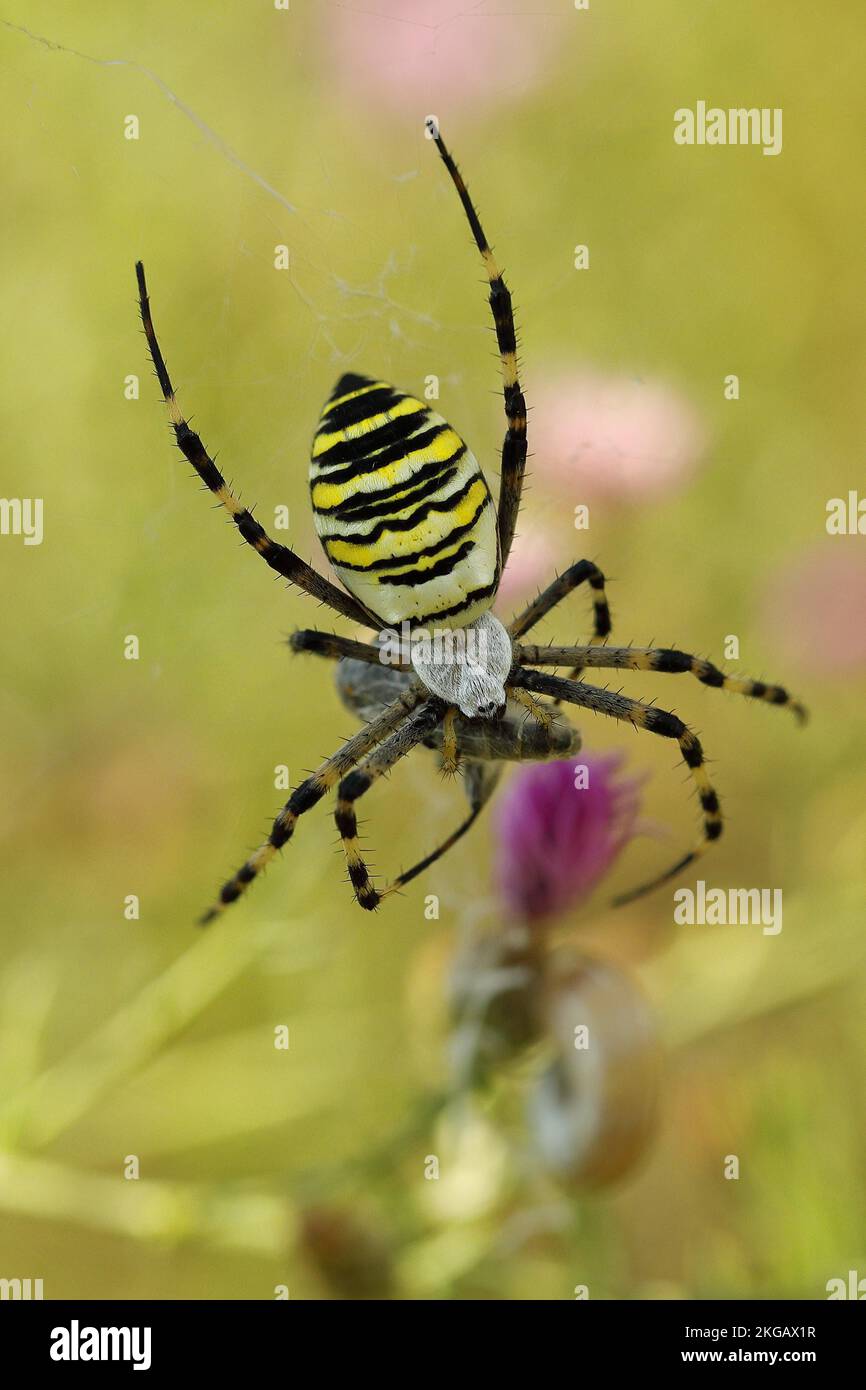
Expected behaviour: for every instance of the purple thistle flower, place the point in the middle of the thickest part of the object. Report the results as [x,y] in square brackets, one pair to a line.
[559,828]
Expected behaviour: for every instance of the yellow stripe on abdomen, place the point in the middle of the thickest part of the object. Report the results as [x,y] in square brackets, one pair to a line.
[327,496]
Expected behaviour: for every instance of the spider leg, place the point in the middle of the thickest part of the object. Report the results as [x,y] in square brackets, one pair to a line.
[279,557]
[413,731]
[544,714]
[450,752]
[562,586]
[658,659]
[514,445]
[481,780]
[335,648]
[305,796]
[657,721]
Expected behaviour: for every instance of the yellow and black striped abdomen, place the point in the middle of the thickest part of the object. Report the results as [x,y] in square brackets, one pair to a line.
[402,508]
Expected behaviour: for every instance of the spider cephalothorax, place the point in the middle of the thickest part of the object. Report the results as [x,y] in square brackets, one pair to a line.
[409,525]
[471,674]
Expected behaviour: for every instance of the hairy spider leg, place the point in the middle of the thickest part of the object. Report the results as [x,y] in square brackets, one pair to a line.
[513,463]
[279,557]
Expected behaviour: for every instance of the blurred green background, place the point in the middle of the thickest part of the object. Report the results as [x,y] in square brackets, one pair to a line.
[260,128]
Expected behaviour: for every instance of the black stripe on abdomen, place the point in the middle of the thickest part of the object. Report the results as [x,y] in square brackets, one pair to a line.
[424,481]
[354,412]
[474,596]
[361,448]
[419,576]
[407,523]
[412,557]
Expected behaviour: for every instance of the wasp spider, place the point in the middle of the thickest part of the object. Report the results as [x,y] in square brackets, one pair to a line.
[409,525]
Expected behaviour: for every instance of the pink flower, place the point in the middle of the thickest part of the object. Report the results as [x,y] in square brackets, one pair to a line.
[612,436]
[816,609]
[559,828]
[436,57]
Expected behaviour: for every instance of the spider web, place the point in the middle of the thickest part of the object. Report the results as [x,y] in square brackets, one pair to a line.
[295,147]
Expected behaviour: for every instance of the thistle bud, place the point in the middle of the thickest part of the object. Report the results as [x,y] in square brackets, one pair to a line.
[593,1109]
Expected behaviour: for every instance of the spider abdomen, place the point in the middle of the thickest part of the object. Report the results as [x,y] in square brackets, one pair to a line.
[402,508]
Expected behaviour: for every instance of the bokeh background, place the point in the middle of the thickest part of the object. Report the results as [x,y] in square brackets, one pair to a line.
[260,127]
